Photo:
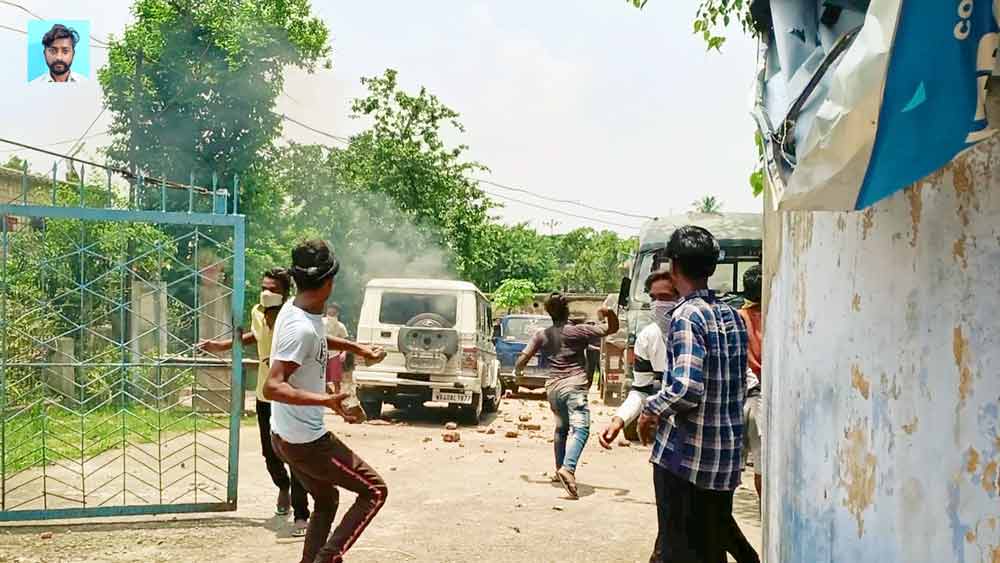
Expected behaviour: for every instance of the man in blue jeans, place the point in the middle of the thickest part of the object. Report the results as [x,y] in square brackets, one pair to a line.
[566,345]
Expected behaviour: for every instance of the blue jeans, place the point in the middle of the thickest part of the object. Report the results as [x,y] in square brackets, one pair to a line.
[572,425]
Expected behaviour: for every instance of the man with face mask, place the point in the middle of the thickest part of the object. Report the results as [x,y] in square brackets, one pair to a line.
[274,290]
[59,49]
[650,356]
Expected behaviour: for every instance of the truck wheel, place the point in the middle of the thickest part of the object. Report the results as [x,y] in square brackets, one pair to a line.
[372,408]
[471,413]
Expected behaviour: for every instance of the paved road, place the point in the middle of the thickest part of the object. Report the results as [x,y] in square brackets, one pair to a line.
[484,498]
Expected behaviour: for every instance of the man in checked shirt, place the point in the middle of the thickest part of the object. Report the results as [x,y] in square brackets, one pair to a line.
[696,457]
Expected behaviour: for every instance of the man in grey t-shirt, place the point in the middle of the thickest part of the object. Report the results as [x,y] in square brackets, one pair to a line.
[565,346]
[296,386]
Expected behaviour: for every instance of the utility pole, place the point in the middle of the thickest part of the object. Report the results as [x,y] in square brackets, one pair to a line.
[133,157]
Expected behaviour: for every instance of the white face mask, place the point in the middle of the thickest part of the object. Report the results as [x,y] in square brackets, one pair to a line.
[271,299]
[662,311]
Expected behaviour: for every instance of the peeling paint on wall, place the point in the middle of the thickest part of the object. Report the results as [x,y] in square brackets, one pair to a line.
[911,427]
[960,346]
[859,382]
[867,222]
[958,252]
[856,303]
[857,473]
[971,460]
[913,195]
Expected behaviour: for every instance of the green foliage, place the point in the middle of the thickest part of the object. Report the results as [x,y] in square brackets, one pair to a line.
[713,16]
[403,157]
[211,71]
[707,204]
[589,261]
[757,176]
[513,293]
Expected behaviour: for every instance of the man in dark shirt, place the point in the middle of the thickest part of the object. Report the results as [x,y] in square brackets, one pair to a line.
[565,345]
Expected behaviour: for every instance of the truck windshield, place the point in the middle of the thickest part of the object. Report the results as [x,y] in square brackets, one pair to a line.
[400,308]
[522,329]
[721,281]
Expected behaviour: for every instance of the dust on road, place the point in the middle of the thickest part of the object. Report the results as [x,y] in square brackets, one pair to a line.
[485,497]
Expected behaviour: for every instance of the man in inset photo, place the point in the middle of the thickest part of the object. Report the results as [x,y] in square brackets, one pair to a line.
[59,45]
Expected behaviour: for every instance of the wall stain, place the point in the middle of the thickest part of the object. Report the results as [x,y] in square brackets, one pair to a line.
[971,460]
[912,426]
[913,193]
[962,176]
[856,302]
[867,222]
[970,536]
[859,464]
[960,347]
[990,478]
[958,252]
[841,223]
[859,382]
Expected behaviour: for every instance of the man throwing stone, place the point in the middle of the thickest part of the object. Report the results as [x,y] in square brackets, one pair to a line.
[296,386]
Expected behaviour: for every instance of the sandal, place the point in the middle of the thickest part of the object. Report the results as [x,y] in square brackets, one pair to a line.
[299,528]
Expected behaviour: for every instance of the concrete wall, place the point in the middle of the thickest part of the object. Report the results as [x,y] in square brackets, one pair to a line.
[882,374]
[580,306]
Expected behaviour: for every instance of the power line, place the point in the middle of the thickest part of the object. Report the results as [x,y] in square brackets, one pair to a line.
[89,127]
[566,213]
[121,171]
[97,42]
[66,142]
[566,201]
[22,32]
[506,187]
[314,130]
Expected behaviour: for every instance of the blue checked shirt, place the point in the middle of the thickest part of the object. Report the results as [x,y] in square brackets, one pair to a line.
[703,389]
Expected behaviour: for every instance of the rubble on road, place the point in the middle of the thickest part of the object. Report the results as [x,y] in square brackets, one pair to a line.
[451,426]
[491,431]
[529,427]
[511,434]
[623,443]
[451,436]
[427,439]
[524,417]
[379,422]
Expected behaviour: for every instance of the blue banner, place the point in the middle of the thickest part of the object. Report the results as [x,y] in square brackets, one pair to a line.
[933,106]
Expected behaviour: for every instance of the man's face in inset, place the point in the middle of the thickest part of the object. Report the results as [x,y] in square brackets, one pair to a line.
[59,56]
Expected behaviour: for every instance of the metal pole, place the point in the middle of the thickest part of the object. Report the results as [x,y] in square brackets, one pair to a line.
[236,392]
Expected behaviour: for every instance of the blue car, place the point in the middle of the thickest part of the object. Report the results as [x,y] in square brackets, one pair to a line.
[515,331]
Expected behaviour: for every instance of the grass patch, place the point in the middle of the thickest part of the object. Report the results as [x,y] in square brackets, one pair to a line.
[51,434]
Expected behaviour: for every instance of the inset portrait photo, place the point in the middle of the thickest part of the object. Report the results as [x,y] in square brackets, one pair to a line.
[58,51]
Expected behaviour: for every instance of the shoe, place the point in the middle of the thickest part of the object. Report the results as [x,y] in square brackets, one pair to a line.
[284,503]
[568,481]
[299,528]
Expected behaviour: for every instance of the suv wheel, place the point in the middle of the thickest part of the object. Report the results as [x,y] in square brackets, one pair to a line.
[472,413]
[372,408]
[493,397]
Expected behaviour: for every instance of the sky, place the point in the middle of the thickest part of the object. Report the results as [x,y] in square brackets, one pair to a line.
[591,101]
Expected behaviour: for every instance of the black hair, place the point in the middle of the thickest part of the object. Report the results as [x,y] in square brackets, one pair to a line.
[60,31]
[334,305]
[658,275]
[281,276]
[751,283]
[312,263]
[694,251]
[557,307]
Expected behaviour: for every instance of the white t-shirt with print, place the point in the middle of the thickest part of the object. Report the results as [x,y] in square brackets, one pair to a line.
[300,338]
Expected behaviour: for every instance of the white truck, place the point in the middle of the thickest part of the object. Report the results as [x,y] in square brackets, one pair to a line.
[438,337]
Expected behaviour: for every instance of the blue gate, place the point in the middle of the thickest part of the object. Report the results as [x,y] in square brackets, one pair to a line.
[106,409]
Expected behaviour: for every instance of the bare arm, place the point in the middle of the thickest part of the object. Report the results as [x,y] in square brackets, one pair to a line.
[224,345]
[278,389]
[344,345]
[612,318]
[529,351]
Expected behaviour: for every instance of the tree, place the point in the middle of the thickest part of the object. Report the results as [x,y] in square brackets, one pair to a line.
[707,204]
[513,293]
[714,15]
[192,84]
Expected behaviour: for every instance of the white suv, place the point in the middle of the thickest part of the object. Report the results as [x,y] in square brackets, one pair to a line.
[439,348]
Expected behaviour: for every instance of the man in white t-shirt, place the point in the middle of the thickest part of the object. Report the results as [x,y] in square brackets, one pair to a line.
[296,387]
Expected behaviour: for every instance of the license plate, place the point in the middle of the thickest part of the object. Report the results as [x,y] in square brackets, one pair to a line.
[533,362]
[442,396]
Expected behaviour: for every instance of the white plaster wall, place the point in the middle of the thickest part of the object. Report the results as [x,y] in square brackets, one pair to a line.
[882,375]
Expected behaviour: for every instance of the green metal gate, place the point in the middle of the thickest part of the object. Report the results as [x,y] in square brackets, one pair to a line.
[106,408]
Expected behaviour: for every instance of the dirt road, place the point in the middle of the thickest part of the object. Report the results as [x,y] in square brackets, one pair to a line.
[486,497]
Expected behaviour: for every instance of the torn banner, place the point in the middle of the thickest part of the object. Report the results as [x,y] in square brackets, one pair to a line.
[858,101]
